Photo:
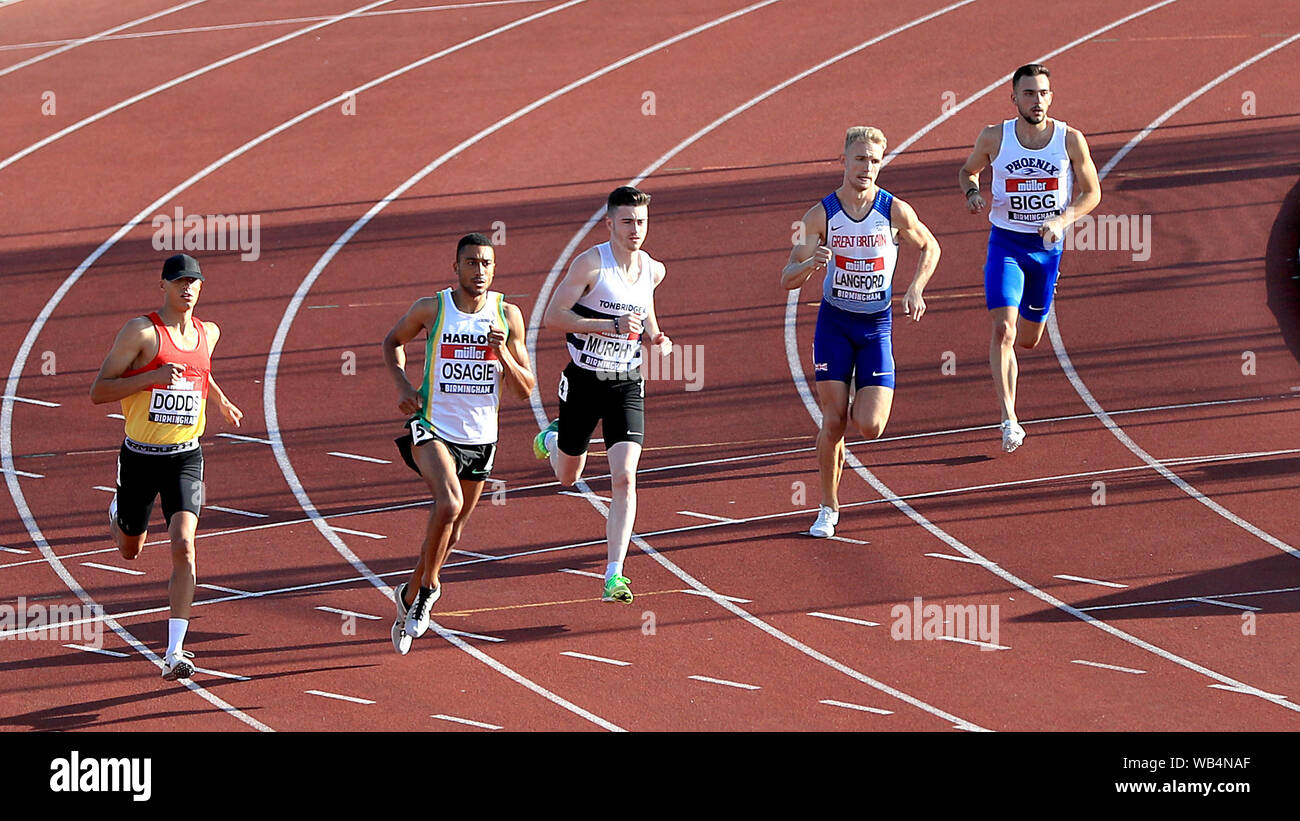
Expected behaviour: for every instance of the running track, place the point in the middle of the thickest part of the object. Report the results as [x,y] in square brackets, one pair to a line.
[526,114]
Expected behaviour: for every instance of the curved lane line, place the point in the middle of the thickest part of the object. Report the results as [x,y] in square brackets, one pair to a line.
[291,312]
[539,412]
[20,360]
[801,384]
[1063,357]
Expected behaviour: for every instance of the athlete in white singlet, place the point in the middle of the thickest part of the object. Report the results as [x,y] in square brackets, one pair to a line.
[1033,159]
[853,233]
[474,346]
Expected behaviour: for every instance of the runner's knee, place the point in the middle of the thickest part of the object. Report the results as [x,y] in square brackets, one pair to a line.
[623,482]
[1004,333]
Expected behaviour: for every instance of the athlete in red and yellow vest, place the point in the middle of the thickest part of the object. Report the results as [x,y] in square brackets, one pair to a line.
[160,369]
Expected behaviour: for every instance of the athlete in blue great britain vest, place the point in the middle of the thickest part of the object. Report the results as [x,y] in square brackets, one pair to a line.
[854,234]
[1033,159]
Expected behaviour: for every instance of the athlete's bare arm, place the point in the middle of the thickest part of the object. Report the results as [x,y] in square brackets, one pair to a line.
[580,279]
[137,342]
[512,353]
[915,233]
[658,339]
[810,255]
[1087,189]
[987,146]
[232,414]
[419,318]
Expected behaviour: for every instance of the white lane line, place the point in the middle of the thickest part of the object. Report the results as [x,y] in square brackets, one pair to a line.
[240,438]
[983,645]
[1083,580]
[1067,366]
[14,550]
[325,694]
[120,416]
[1269,592]
[726,683]
[286,21]
[1132,670]
[269,399]
[580,572]
[579,495]
[1227,604]
[198,72]
[364,533]
[220,674]
[846,539]
[99,650]
[860,707]
[113,569]
[221,589]
[103,35]
[478,636]
[360,458]
[239,512]
[478,724]
[834,617]
[350,613]
[472,553]
[716,596]
[601,659]
[968,559]
[539,412]
[105,488]
[16,472]
[1251,691]
[691,513]
[40,402]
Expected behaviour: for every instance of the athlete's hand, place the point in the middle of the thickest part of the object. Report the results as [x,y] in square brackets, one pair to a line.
[663,344]
[169,373]
[820,258]
[410,402]
[496,339]
[975,202]
[233,414]
[1051,230]
[914,304]
[630,325]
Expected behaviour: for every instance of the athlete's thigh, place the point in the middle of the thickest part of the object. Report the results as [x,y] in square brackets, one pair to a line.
[833,398]
[470,491]
[182,527]
[1004,275]
[622,417]
[872,404]
[181,486]
[874,358]
[579,412]
[438,468]
[1042,270]
[624,457]
[833,347]
[137,487]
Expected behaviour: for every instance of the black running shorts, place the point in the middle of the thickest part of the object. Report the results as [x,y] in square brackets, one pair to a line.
[473,462]
[616,401]
[141,477]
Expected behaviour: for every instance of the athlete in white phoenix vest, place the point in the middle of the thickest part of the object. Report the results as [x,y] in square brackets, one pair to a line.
[474,346]
[1033,159]
[605,305]
[853,234]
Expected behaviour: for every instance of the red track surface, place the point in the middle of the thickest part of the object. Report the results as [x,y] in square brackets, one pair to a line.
[1168,331]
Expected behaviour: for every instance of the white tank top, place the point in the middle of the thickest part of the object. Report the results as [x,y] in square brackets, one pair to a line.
[612,296]
[860,276]
[1029,187]
[462,375]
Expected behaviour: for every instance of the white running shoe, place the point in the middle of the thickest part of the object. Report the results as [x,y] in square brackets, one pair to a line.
[401,641]
[399,597]
[178,666]
[417,618]
[824,527]
[1013,436]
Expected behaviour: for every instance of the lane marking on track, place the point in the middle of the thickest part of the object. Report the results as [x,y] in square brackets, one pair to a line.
[17,472]
[478,724]
[1194,598]
[1251,691]
[123,418]
[40,402]
[1083,580]
[983,645]
[601,659]
[69,45]
[270,408]
[325,694]
[718,597]
[239,512]
[1067,366]
[580,572]
[834,617]
[286,21]
[350,613]
[738,685]
[144,95]
[221,589]
[478,636]
[691,513]
[1132,670]
[859,707]
[528,605]
[99,650]
[240,438]
[14,550]
[969,560]
[473,554]
[105,488]
[360,458]
[219,674]
[364,533]
[113,569]
[846,539]
[579,495]
[1227,604]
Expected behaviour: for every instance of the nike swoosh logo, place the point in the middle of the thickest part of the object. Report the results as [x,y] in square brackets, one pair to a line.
[1033,308]
[883,373]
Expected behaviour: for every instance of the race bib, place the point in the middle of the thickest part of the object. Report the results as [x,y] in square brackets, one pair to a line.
[610,353]
[177,404]
[859,280]
[419,433]
[564,388]
[1032,200]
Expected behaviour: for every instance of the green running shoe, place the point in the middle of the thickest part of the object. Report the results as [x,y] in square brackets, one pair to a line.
[616,589]
[539,441]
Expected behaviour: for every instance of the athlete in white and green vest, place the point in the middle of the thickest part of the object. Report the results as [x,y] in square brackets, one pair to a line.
[475,344]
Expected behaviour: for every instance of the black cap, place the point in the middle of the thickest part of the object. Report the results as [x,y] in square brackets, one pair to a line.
[181,265]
